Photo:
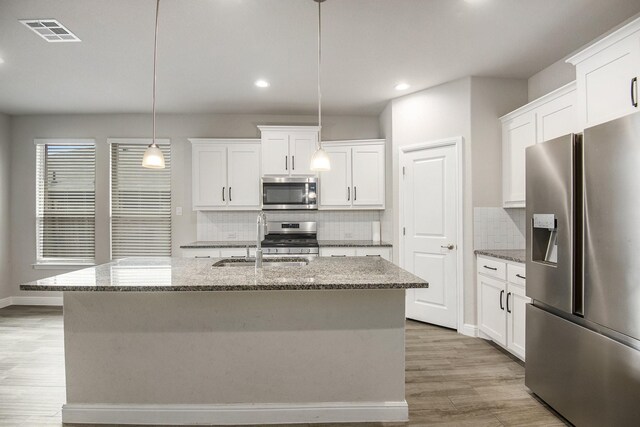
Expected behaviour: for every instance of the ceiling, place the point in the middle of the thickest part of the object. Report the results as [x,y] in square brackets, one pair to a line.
[211,51]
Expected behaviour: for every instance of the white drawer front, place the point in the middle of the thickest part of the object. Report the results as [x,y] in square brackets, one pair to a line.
[374,252]
[516,274]
[338,252]
[492,268]
[201,253]
[234,252]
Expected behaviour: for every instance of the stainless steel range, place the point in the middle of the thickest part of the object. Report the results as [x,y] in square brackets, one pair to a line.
[291,238]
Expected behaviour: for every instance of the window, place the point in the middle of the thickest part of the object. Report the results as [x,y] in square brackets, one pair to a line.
[65,201]
[140,201]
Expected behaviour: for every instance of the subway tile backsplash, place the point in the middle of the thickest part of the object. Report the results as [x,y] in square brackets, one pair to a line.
[498,228]
[332,225]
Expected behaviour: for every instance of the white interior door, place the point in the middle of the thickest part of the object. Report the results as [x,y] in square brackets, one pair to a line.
[429,245]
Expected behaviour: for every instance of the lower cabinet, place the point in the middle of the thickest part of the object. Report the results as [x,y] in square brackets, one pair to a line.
[217,252]
[502,305]
[371,251]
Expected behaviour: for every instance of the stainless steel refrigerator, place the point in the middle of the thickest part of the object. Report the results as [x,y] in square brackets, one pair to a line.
[583,274]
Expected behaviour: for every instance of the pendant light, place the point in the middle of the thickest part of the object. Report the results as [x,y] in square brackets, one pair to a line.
[153,157]
[320,160]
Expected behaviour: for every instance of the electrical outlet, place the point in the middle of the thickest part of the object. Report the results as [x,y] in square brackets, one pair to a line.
[348,235]
[231,236]
[179,210]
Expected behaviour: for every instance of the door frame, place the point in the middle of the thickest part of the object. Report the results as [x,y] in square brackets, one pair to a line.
[458,143]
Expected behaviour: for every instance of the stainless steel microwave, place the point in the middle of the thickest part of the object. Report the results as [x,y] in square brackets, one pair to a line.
[289,193]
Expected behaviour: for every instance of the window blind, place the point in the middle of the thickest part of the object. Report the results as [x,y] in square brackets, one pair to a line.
[65,202]
[140,203]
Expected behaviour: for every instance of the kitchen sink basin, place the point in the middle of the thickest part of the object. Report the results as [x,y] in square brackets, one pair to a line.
[266,262]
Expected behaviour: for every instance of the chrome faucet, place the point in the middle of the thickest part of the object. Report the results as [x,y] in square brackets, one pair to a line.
[261,225]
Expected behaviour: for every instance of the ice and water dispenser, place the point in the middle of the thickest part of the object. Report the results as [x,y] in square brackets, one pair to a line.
[544,239]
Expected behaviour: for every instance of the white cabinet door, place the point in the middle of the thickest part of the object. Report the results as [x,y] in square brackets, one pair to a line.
[517,304]
[557,117]
[244,176]
[302,145]
[335,185]
[492,318]
[368,175]
[604,82]
[201,253]
[384,253]
[517,134]
[337,252]
[275,153]
[209,176]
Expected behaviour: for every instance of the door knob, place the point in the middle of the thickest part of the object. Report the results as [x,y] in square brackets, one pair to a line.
[450,247]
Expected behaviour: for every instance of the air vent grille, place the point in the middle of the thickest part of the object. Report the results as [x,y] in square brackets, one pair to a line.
[50,30]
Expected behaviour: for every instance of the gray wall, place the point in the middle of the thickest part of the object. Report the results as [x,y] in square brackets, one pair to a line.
[469,107]
[102,126]
[551,78]
[5,176]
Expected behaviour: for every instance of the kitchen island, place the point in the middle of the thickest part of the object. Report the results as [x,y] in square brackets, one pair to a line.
[181,341]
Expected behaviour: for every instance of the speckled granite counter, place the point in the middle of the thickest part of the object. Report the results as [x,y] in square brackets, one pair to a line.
[515,255]
[189,274]
[214,244]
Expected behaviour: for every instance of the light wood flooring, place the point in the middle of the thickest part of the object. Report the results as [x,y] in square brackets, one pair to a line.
[451,380]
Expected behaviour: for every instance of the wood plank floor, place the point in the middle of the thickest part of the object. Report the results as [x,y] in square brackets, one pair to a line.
[451,380]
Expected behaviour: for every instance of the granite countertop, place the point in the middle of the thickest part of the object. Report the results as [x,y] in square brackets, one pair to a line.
[161,274]
[211,244]
[515,255]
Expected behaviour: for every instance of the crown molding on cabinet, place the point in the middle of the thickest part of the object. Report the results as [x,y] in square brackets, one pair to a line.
[569,87]
[606,42]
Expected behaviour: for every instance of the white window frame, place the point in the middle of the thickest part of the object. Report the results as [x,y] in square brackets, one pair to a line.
[61,263]
[139,141]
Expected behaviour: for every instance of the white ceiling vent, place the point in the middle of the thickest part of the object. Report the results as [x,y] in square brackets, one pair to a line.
[50,30]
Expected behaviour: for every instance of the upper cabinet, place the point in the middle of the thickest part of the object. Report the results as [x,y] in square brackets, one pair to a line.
[546,118]
[357,176]
[607,75]
[287,150]
[225,174]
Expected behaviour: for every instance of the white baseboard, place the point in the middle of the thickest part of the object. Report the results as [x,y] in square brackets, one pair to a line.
[469,330]
[5,302]
[56,301]
[236,413]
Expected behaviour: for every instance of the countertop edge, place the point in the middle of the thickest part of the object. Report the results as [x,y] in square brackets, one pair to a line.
[240,288]
[331,244]
[496,253]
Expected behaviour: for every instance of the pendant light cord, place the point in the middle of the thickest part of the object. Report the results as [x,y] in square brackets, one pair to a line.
[155,60]
[319,67]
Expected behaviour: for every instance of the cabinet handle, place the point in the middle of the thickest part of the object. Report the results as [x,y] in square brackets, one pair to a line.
[348,193]
[223,194]
[355,193]
[286,163]
[490,268]
[634,92]
[374,255]
[293,162]
[501,295]
[203,256]
[508,310]
[522,277]
[338,256]
[230,194]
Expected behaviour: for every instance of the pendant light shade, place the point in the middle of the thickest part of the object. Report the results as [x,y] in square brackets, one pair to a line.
[153,157]
[320,160]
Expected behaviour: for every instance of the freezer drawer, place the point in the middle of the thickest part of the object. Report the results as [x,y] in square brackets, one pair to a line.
[611,226]
[588,378]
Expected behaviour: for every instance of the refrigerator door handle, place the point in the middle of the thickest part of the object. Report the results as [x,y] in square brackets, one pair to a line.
[501,295]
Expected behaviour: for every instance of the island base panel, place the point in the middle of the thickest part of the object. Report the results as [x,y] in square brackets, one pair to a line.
[234,357]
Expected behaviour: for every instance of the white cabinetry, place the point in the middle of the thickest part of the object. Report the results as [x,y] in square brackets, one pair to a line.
[357,176]
[287,150]
[370,251]
[217,252]
[502,303]
[607,73]
[546,118]
[225,174]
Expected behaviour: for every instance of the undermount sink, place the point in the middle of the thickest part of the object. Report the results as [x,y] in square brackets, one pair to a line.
[266,262]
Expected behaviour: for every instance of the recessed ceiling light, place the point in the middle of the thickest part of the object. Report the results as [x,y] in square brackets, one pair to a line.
[262,83]
[402,86]
[50,30]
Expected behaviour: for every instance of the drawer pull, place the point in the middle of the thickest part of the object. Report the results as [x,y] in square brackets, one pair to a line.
[522,277]
[501,295]
[490,268]
[203,256]
[374,255]
[338,256]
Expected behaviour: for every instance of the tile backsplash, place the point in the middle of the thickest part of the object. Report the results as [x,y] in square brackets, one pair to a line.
[498,228]
[332,225]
